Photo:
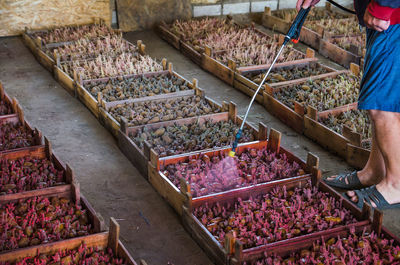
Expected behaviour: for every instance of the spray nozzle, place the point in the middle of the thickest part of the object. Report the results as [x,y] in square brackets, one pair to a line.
[235,143]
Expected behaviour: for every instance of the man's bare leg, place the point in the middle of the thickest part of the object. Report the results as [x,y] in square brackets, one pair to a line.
[387,135]
[374,170]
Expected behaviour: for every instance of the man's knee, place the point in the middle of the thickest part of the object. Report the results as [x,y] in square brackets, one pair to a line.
[379,115]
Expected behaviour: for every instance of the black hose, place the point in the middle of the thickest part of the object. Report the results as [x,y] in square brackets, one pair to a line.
[341,7]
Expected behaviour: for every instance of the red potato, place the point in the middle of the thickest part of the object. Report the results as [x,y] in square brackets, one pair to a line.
[41,220]
[14,136]
[28,173]
[209,175]
[274,216]
[365,248]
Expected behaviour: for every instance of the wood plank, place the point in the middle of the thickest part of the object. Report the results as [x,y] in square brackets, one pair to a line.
[357,156]
[168,36]
[204,238]
[65,80]
[337,54]
[218,69]
[324,136]
[19,15]
[45,60]
[284,113]
[190,52]
[310,37]
[87,99]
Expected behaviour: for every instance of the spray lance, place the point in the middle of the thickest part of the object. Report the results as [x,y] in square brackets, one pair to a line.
[292,35]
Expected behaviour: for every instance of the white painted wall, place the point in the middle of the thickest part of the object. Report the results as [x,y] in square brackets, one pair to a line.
[227,7]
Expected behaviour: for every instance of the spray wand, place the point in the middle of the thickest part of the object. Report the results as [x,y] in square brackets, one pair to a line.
[293,35]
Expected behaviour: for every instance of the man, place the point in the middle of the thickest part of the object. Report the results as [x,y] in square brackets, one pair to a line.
[378,183]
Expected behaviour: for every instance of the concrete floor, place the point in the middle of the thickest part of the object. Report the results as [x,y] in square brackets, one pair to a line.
[149,227]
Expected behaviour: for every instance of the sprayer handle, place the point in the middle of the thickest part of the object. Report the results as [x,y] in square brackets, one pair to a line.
[295,29]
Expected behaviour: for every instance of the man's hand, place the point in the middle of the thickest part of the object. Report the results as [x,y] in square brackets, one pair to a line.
[306,3]
[375,23]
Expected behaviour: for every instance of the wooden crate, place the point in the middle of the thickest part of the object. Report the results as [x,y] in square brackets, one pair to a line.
[222,254]
[13,103]
[42,151]
[294,118]
[93,104]
[108,121]
[227,72]
[176,198]
[140,157]
[67,82]
[101,241]
[48,61]
[307,35]
[38,48]
[357,156]
[73,194]
[249,87]
[191,53]
[284,250]
[38,41]
[19,118]
[338,54]
[326,137]
[168,36]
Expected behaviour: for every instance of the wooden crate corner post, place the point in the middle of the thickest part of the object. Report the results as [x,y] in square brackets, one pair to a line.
[152,154]
[207,50]
[14,104]
[377,221]
[2,91]
[310,53]
[312,161]
[267,11]
[354,137]
[366,211]
[312,113]
[124,124]
[170,68]
[113,235]
[316,176]
[238,255]
[232,65]
[186,191]
[262,132]
[299,108]
[355,69]
[38,42]
[48,150]
[232,111]
[69,174]
[229,244]
[76,191]
[164,63]
[20,113]
[274,141]
[195,84]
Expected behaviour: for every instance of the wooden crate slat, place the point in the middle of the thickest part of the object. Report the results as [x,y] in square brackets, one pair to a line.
[168,36]
[65,80]
[337,54]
